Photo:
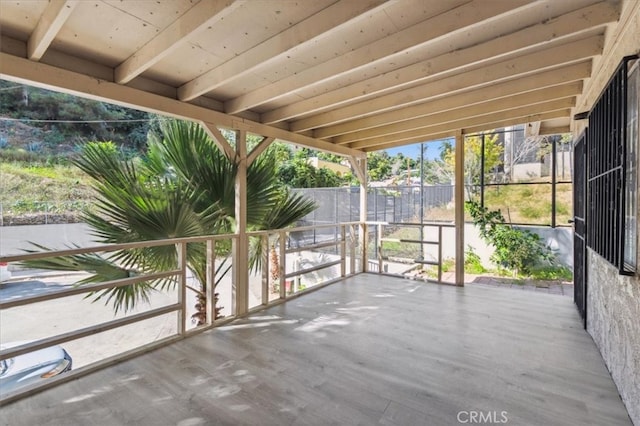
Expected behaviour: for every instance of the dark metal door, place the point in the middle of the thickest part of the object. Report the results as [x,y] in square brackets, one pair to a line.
[580,227]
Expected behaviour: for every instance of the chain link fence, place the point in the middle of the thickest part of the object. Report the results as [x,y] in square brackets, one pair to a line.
[389,204]
[335,205]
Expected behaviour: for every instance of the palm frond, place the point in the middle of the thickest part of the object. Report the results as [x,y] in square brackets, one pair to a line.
[289,209]
[184,187]
[102,270]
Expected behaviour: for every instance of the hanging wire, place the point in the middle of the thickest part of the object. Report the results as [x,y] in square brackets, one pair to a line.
[30,120]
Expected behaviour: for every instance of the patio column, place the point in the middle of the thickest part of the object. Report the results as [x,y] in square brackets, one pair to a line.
[459,207]
[241,247]
[359,165]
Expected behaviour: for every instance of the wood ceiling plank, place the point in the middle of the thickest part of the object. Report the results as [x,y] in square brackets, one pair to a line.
[391,143]
[53,18]
[472,122]
[509,69]
[541,34]
[491,105]
[177,34]
[395,44]
[307,32]
[570,73]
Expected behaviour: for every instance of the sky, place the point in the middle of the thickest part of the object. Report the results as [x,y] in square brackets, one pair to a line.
[413,151]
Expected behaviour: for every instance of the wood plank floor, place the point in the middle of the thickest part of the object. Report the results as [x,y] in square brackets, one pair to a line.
[367,350]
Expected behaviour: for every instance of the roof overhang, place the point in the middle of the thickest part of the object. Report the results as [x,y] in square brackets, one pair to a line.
[337,75]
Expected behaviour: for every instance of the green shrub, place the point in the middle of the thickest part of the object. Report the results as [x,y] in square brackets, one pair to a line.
[552,272]
[472,263]
[448,264]
[515,249]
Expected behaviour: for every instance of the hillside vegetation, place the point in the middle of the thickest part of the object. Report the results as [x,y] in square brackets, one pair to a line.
[29,191]
[42,131]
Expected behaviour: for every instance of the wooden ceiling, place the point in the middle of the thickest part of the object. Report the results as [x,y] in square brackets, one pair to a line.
[357,75]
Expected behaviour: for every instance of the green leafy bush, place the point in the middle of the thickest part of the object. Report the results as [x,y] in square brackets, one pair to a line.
[552,272]
[472,262]
[515,249]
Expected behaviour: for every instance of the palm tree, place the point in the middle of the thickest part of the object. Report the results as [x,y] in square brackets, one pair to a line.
[183,187]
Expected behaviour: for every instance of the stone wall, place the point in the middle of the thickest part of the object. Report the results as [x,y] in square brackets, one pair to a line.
[613,320]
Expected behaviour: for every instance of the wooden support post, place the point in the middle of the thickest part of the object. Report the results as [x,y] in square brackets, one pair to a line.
[352,250]
[343,251]
[210,309]
[218,138]
[282,239]
[264,241]
[360,168]
[241,250]
[459,207]
[439,253]
[181,249]
[379,247]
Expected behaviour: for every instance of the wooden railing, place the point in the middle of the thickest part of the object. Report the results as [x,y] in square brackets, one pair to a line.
[340,252]
[292,262]
[429,234]
[177,274]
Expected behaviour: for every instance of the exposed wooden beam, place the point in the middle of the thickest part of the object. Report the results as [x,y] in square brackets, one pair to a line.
[532,129]
[547,111]
[554,130]
[219,140]
[359,169]
[505,70]
[622,40]
[197,18]
[570,73]
[310,30]
[474,129]
[46,76]
[259,149]
[492,105]
[541,34]
[53,18]
[385,49]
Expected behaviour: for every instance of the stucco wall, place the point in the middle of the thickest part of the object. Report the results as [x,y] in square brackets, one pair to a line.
[613,320]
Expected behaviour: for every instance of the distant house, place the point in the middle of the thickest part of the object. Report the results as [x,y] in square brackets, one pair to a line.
[339,169]
[528,157]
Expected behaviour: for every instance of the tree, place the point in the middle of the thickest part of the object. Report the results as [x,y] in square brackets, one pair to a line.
[518,153]
[184,187]
[379,165]
[73,119]
[473,158]
[297,172]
